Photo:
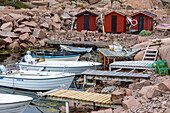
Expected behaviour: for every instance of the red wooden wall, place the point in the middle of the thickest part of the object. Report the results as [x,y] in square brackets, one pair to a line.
[92,22]
[148,22]
[121,22]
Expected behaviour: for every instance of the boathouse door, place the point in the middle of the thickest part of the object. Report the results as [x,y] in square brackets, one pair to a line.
[86,22]
[114,23]
[140,23]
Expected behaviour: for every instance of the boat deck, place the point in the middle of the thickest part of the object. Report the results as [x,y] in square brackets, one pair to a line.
[132,64]
[90,98]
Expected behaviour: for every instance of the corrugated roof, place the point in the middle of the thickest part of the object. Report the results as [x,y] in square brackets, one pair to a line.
[150,13]
[116,12]
[145,13]
[88,12]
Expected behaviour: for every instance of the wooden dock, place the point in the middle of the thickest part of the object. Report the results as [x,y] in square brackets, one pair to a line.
[103,100]
[118,54]
[132,64]
[109,75]
[77,43]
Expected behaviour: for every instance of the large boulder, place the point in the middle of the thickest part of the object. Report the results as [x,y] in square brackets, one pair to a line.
[2,41]
[165,85]
[165,54]
[139,55]
[24,37]
[8,40]
[142,45]
[93,1]
[32,39]
[165,41]
[39,33]
[6,25]
[130,102]
[14,45]
[56,18]
[117,96]
[150,91]
[146,4]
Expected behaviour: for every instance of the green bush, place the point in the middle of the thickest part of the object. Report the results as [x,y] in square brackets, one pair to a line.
[145,33]
[164,3]
[17,5]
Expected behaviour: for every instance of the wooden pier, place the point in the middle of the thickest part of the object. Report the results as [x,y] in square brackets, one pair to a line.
[95,99]
[77,43]
[132,65]
[111,75]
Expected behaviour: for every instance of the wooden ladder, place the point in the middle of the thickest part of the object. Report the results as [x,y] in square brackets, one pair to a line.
[150,55]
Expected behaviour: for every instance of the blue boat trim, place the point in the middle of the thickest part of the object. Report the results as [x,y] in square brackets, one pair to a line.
[47,56]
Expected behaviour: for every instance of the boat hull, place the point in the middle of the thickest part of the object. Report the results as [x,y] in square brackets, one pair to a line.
[75,49]
[77,70]
[36,84]
[18,107]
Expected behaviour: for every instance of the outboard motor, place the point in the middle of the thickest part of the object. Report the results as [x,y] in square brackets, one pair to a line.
[3,70]
[28,58]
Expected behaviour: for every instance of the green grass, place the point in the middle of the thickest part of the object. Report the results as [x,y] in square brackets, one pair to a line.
[17,5]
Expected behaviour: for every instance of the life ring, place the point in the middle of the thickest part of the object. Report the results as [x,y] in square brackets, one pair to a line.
[134,22]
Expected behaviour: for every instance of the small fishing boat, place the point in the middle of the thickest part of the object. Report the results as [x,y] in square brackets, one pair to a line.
[36,80]
[75,49]
[76,67]
[56,56]
[10,103]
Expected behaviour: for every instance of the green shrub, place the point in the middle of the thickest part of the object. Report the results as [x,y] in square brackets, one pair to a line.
[17,5]
[164,3]
[145,33]
[92,8]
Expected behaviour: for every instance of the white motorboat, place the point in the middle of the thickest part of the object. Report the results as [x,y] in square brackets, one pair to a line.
[75,49]
[76,67]
[37,81]
[10,103]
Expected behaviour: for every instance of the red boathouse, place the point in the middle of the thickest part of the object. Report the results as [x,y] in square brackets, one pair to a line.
[142,20]
[115,22]
[86,21]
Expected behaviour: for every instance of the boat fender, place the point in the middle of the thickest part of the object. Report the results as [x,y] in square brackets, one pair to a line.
[134,22]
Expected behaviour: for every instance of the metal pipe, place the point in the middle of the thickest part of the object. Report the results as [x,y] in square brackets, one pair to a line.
[67,107]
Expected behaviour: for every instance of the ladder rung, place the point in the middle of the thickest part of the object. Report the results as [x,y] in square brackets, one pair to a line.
[150,57]
[150,53]
[152,50]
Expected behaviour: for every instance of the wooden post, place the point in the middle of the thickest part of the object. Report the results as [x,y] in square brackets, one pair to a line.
[94,106]
[100,60]
[107,61]
[84,82]
[75,106]
[67,107]
[113,59]
[104,62]
[94,82]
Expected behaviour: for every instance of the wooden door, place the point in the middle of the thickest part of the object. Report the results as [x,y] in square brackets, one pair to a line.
[114,23]
[86,23]
[140,23]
